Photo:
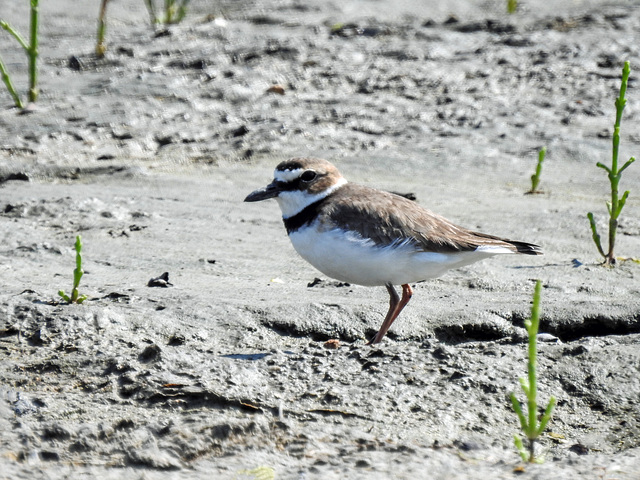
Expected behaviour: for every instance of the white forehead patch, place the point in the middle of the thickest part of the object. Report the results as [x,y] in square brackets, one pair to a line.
[287,175]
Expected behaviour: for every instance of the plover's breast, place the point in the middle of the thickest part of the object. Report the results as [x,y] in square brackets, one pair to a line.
[348,257]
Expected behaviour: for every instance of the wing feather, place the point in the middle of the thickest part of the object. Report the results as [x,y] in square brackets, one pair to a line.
[387,218]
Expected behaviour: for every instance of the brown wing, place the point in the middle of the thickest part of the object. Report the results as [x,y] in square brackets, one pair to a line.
[387,218]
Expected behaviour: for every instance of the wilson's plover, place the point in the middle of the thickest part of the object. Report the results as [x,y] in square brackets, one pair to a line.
[365,236]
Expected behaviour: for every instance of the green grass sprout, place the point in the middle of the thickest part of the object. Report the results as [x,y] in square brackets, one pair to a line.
[535,178]
[7,81]
[174,11]
[617,203]
[101,47]
[31,49]
[260,473]
[77,275]
[152,11]
[512,6]
[529,423]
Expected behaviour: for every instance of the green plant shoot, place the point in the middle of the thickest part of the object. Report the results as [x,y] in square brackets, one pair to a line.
[531,428]
[9,84]
[174,11]
[617,203]
[512,5]
[260,473]
[101,47]
[31,49]
[535,178]
[77,275]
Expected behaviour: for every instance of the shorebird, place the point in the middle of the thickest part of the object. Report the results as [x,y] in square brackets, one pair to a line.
[370,237]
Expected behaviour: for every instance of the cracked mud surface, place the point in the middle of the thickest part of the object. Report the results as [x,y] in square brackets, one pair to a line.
[148,154]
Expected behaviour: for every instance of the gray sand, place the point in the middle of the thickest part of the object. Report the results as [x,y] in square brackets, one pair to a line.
[148,155]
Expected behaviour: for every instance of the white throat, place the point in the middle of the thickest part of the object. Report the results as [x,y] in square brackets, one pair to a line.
[293,202]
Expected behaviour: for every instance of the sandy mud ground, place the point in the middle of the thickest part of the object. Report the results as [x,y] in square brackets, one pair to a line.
[148,155]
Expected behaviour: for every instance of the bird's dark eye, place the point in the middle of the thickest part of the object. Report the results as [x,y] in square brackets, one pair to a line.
[308,176]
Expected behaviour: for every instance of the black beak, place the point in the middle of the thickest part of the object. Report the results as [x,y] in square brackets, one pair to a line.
[270,191]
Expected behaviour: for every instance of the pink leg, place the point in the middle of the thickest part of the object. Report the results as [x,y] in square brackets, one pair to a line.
[395,307]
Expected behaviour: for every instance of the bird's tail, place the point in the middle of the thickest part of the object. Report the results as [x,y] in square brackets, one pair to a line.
[526,248]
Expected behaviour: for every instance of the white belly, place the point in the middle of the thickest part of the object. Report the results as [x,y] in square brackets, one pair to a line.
[350,258]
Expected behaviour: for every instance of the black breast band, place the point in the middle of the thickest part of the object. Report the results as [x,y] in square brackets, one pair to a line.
[304,217]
